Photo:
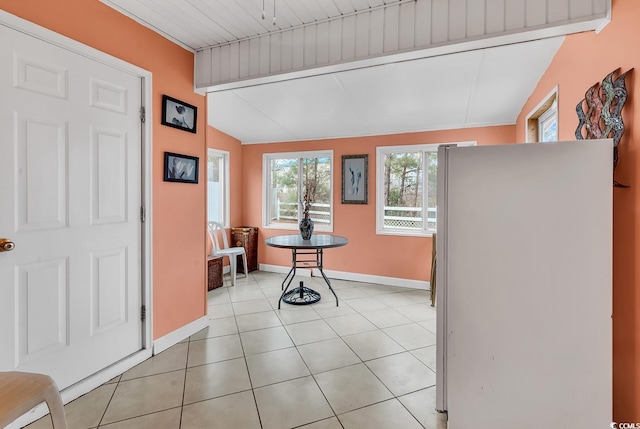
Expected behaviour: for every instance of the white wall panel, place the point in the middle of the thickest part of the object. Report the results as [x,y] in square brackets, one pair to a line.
[254,57]
[322,53]
[348,38]
[203,66]
[287,51]
[264,54]
[457,19]
[225,58]
[535,14]
[298,48]
[580,8]
[601,6]
[335,41]
[407,26]
[362,35]
[439,21]
[515,14]
[276,53]
[390,29]
[310,44]
[494,16]
[215,63]
[557,11]
[475,25]
[234,61]
[376,37]
[245,55]
[423,23]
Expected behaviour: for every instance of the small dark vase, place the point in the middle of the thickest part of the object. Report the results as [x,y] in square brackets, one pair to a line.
[306,228]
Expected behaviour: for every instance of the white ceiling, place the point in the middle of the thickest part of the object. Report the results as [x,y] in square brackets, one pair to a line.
[196,24]
[475,88]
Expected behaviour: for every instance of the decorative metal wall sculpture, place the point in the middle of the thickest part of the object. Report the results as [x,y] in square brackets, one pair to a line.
[603,117]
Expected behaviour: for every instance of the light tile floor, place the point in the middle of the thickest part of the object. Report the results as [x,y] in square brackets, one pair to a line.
[369,363]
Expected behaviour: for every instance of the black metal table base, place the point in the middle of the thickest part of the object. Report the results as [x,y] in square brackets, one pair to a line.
[301,295]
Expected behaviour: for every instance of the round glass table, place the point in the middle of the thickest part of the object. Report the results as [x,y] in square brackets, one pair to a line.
[305,254]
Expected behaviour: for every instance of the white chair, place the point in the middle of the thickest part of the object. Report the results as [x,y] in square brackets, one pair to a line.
[21,391]
[231,252]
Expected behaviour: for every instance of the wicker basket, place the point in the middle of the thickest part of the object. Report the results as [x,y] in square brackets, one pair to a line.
[214,272]
[247,237]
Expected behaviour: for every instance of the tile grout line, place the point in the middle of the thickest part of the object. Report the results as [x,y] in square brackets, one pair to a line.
[246,364]
[104,413]
[184,386]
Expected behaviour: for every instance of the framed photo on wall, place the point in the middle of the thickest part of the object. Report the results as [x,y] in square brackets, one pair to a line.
[355,179]
[178,114]
[180,168]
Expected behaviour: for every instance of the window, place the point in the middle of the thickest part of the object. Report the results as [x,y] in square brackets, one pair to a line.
[542,122]
[287,177]
[406,188]
[548,125]
[218,186]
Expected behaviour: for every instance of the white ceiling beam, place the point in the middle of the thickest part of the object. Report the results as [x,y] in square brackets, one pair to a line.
[400,31]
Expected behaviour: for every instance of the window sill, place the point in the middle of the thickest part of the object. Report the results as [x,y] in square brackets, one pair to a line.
[405,233]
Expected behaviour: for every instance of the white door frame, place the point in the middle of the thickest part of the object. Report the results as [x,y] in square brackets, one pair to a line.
[84,386]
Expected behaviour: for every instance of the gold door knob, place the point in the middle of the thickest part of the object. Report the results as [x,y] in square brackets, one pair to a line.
[6,245]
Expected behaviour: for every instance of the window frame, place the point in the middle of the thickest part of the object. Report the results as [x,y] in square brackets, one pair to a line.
[381,152]
[546,109]
[550,114]
[266,191]
[226,188]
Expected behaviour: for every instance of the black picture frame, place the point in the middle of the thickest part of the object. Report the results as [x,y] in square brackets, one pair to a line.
[180,168]
[178,114]
[355,179]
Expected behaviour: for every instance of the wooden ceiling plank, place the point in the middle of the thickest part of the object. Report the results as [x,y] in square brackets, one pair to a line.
[145,11]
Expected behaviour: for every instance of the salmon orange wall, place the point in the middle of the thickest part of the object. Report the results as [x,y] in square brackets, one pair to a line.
[218,140]
[380,255]
[583,60]
[178,209]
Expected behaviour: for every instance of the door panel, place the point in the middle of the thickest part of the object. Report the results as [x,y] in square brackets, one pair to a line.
[70,192]
[42,309]
[41,149]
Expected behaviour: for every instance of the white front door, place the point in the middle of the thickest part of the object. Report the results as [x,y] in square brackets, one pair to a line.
[70,195]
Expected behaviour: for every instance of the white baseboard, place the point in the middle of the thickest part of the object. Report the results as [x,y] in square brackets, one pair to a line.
[179,334]
[84,386]
[302,272]
[356,277]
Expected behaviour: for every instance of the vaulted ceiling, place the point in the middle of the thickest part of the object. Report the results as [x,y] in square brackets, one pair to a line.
[337,68]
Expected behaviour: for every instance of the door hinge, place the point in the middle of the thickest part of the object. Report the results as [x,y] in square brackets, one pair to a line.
[143,114]
[143,215]
[143,313]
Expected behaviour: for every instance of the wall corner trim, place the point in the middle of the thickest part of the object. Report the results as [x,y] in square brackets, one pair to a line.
[172,338]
